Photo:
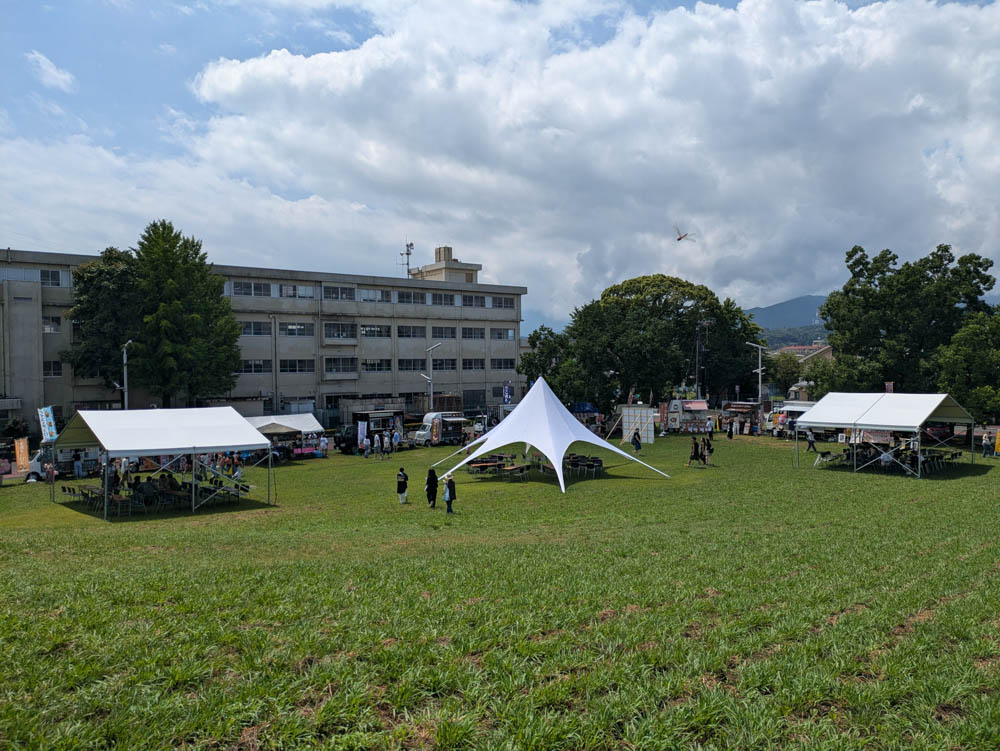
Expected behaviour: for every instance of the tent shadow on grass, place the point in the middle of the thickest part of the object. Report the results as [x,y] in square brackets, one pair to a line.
[953,472]
[245,504]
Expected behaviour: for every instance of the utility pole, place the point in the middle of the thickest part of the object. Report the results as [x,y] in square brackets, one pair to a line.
[430,378]
[760,373]
[125,370]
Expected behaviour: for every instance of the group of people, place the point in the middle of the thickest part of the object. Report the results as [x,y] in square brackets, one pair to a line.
[430,488]
[382,444]
[700,451]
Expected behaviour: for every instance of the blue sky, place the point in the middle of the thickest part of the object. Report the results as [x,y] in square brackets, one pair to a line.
[556,142]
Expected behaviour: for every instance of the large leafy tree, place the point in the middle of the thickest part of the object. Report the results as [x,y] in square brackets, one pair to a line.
[186,341]
[104,315]
[889,321]
[785,370]
[643,333]
[969,365]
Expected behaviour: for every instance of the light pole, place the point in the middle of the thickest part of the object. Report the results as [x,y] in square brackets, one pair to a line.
[759,371]
[430,378]
[125,370]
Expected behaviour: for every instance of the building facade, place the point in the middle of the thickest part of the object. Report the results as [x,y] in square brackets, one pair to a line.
[309,339]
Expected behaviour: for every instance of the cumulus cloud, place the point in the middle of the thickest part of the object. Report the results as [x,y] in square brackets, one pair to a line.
[49,74]
[558,142]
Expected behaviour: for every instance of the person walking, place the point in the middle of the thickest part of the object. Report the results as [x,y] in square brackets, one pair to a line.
[368,446]
[377,445]
[695,451]
[706,450]
[810,441]
[431,487]
[449,491]
[401,479]
[387,443]
[636,441]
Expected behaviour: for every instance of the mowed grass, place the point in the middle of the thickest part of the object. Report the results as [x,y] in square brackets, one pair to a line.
[745,605]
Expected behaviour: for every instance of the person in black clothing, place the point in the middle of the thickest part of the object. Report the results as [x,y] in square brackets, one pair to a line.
[431,486]
[695,451]
[449,491]
[636,441]
[401,479]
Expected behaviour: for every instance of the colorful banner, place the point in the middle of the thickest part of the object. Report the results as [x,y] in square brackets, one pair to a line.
[362,433]
[21,454]
[48,422]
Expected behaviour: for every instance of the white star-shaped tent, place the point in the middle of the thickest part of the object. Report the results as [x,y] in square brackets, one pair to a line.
[540,420]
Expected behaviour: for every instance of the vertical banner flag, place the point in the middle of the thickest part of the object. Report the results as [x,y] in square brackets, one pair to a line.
[362,433]
[48,422]
[506,392]
[888,386]
[21,454]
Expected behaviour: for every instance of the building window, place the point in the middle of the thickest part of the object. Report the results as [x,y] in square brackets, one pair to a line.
[372,331]
[340,364]
[340,330]
[444,363]
[502,334]
[502,363]
[51,369]
[498,392]
[296,290]
[473,363]
[376,366]
[338,293]
[411,332]
[473,333]
[251,289]
[254,366]
[51,324]
[473,301]
[472,398]
[443,332]
[412,363]
[255,328]
[442,298]
[297,366]
[296,329]
[374,295]
[411,298]
[503,302]
[50,278]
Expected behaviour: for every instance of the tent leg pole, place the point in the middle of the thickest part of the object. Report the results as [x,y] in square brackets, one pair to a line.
[194,479]
[972,443]
[796,447]
[106,468]
[920,460]
[269,455]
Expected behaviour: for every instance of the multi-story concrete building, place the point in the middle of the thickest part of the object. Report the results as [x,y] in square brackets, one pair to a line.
[309,339]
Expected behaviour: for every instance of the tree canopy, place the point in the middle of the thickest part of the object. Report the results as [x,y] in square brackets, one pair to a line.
[643,333]
[163,296]
[969,365]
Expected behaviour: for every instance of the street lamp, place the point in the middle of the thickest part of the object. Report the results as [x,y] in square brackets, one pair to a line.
[125,370]
[759,371]
[430,378]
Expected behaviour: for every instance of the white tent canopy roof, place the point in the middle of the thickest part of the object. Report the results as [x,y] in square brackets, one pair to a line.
[540,420]
[901,412]
[151,432]
[303,422]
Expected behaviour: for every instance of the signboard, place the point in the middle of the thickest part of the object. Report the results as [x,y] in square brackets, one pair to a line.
[888,386]
[638,418]
[21,454]
[48,422]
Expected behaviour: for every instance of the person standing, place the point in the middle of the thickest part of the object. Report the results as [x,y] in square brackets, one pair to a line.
[401,480]
[636,441]
[810,441]
[710,428]
[449,491]
[386,443]
[987,443]
[377,444]
[431,487]
[368,446]
[695,451]
[324,446]
[706,450]
[395,440]
[77,465]
[729,431]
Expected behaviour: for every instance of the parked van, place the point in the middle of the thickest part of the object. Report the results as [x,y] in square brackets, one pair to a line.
[63,462]
[440,427]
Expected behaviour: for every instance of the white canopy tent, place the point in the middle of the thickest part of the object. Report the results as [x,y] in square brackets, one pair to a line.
[540,420]
[303,422]
[893,413]
[155,432]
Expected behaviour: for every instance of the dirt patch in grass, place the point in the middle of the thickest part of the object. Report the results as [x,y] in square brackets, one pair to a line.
[546,635]
[947,712]
[986,664]
[849,610]
[249,739]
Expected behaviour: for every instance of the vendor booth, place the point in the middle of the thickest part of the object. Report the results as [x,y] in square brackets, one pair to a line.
[887,429]
[170,433]
[294,435]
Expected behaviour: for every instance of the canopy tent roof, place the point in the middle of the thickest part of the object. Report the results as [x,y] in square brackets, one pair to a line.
[901,412]
[151,432]
[303,422]
[540,420]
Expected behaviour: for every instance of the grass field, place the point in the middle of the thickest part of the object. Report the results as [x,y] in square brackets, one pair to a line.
[747,605]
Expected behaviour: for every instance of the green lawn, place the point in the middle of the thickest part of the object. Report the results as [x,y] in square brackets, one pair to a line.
[746,605]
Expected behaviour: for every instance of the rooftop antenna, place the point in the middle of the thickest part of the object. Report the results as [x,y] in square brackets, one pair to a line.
[405,255]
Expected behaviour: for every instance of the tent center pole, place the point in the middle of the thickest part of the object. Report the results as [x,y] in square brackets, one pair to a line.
[270,455]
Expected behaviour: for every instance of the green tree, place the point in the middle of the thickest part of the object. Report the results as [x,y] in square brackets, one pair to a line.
[104,315]
[889,321]
[970,363]
[186,342]
[785,371]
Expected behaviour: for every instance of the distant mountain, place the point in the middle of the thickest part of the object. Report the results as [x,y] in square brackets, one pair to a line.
[801,311]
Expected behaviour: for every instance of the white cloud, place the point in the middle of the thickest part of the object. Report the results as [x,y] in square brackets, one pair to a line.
[49,74]
[165,48]
[781,132]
